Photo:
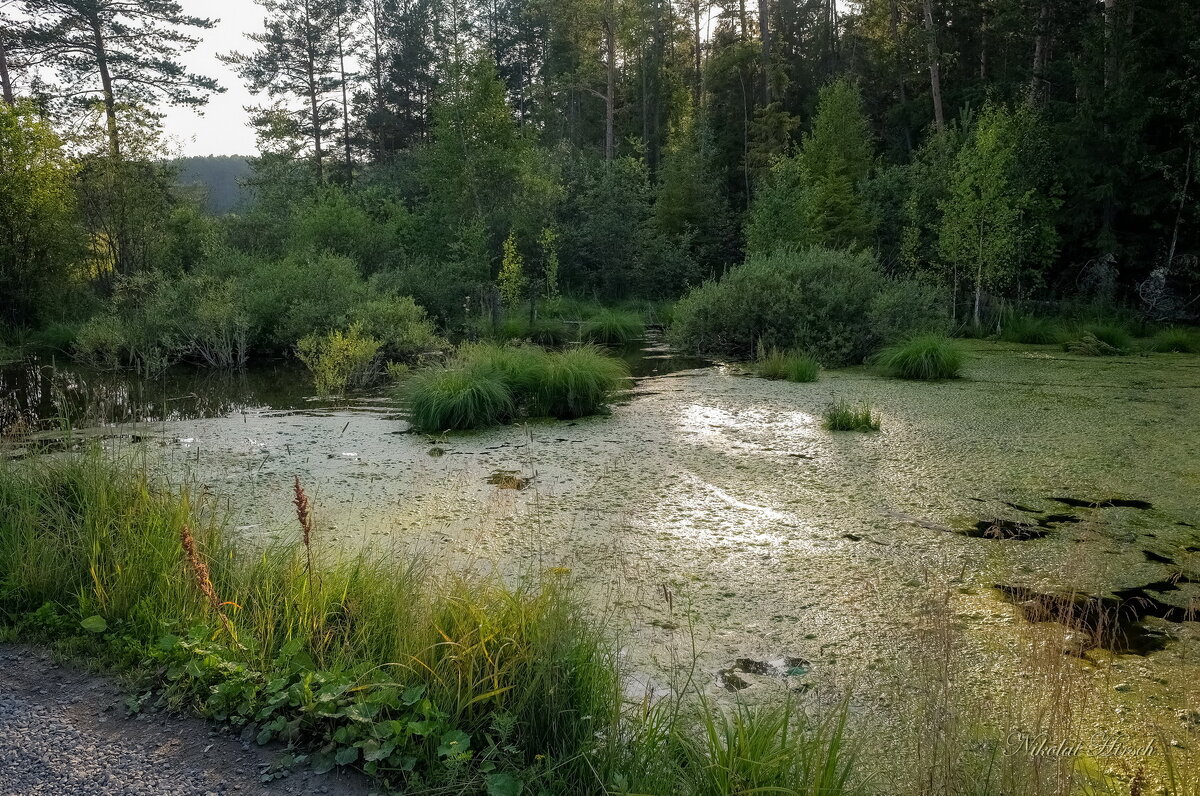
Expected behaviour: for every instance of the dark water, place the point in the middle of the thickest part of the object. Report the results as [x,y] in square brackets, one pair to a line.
[42,394]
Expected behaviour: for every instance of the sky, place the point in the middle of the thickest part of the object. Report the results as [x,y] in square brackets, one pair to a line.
[221,127]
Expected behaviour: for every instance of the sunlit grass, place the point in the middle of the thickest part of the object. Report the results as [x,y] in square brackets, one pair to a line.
[454,398]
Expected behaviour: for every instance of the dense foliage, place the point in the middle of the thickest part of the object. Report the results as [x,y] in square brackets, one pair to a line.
[837,306]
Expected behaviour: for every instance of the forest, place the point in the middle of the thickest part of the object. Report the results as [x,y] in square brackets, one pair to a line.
[1010,155]
[608,396]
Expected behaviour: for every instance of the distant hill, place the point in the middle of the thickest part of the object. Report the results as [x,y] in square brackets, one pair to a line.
[218,177]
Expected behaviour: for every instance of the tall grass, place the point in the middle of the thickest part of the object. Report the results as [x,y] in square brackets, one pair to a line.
[612,327]
[456,398]
[543,331]
[1176,341]
[1030,330]
[787,365]
[486,384]
[456,682]
[927,357]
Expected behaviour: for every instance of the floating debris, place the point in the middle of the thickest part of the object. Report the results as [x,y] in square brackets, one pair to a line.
[1004,529]
[1108,503]
[510,479]
[746,672]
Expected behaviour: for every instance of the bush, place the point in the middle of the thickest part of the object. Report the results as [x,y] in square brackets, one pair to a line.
[456,398]
[612,327]
[401,327]
[1029,330]
[1176,341]
[844,416]
[100,342]
[788,365]
[338,360]
[926,357]
[577,382]
[836,305]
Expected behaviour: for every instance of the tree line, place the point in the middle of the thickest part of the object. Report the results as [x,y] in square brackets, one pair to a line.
[1006,150]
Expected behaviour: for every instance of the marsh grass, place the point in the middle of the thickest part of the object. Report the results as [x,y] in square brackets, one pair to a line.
[612,328]
[845,416]
[787,365]
[426,679]
[1030,330]
[1176,341]
[542,331]
[488,384]
[1100,340]
[449,398]
[928,357]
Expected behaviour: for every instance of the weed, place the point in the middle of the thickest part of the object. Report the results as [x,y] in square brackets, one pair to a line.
[845,416]
[789,365]
[1029,330]
[452,398]
[1177,341]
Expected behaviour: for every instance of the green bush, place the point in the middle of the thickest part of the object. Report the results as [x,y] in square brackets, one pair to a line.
[1176,341]
[612,328]
[401,327]
[844,416]
[837,306]
[788,365]
[927,356]
[576,383]
[338,360]
[1029,330]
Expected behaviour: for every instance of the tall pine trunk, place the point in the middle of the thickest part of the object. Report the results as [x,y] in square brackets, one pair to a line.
[5,83]
[764,28]
[110,101]
[935,69]
[610,94]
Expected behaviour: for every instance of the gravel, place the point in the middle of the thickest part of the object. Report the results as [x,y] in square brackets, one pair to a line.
[65,732]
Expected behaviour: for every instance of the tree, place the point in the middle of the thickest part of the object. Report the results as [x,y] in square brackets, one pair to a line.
[298,58]
[996,218]
[37,230]
[816,197]
[124,52]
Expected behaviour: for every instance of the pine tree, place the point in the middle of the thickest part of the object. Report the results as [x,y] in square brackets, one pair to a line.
[126,53]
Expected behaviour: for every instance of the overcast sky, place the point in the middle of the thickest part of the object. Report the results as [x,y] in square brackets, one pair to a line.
[220,128]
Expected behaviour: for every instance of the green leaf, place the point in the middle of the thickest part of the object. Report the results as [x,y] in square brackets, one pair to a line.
[94,624]
[503,784]
[412,694]
[346,755]
[454,742]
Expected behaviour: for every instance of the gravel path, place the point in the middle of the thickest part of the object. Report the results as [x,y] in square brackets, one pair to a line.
[65,732]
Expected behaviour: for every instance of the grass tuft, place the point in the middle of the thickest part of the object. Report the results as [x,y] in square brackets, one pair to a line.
[1100,340]
[612,328]
[543,331]
[845,416]
[788,365]
[1176,341]
[487,384]
[927,357]
[454,398]
[576,383]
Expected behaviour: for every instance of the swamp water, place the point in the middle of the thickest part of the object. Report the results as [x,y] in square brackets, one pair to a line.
[1037,520]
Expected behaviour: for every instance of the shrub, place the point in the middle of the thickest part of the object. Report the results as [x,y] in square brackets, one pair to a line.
[56,337]
[339,360]
[788,365]
[401,327]
[100,342]
[577,382]
[1176,341]
[844,416]
[612,327]
[836,305]
[1029,330]
[927,356]
[454,398]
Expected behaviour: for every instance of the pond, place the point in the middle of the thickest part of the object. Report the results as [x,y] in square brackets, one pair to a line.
[734,542]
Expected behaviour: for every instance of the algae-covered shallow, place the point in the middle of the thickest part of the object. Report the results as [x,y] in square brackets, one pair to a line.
[712,512]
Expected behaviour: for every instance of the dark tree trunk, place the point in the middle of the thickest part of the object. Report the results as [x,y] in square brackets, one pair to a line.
[5,84]
[764,27]
[110,101]
[935,69]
